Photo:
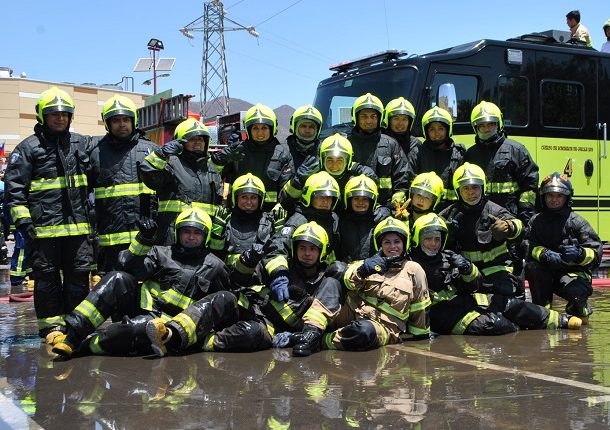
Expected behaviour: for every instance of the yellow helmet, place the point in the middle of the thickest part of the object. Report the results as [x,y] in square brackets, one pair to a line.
[427,223]
[391,225]
[196,218]
[53,100]
[248,183]
[437,114]
[308,112]
[320,184]
[313,233]
[430,185]
[468,174]
[399,106]
[361,185]
[119,105]
[367,101]
[336,146]
[190,128]
[486,112]
[260,114]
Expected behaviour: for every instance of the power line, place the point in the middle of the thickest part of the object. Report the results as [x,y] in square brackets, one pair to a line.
[235,4]
[282,11]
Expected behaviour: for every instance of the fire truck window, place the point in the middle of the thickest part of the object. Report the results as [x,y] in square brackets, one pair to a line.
[465,89]
[562,104]
[513,97]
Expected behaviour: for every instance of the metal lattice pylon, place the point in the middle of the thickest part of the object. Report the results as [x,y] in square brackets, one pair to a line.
[214,82]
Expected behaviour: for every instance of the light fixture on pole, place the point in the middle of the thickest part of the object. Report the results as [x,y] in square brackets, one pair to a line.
[149,81]
[154,45]
[157,64]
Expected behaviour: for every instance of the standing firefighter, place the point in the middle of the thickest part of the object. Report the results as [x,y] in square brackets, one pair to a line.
[563,249]
[397,122]
[46,191]
[305,126]
[121,198]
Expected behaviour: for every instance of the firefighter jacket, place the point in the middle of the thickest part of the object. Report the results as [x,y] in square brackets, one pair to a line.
[173,277]
[46,184]
[121,198]
[551,229]
[398,298]
[473,237]
[276,259]
[512,175]
[382,154]
[406,141]
[356,231]
[299,151]
[270,161]
[182,181]
[444,162]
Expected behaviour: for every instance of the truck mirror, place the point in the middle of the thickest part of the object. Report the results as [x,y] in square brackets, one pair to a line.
[447,99]
[589,168]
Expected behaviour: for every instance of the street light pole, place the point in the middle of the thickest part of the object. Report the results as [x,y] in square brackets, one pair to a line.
[155,45]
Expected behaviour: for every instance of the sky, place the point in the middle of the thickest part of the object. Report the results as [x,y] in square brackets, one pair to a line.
[100,42]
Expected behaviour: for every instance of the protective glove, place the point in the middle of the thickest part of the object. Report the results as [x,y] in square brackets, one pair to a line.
[500,229]
[310,166]
[147,228]
[235,150]
[376,263]
[571,253]
[279,288]
[282,340]
[173,147]
[251,256]
[27,230]
[461,263]
[380,213]
[402,209]
[453,220]
[219,220]
[279,217]
[551,258]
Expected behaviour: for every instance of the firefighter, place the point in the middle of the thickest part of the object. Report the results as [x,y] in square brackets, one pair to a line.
[563,250]
[318,201]
[304,140]
[480,230]
[182,176]
[261,154]
[387,296]
[606,46]
[380,152]
[397,122]
[46,191]
[121,198]
[357,223]
[425,194]
[439,153]
[453,281]
[239,235]
[174,277]
[304,287]
[334,157]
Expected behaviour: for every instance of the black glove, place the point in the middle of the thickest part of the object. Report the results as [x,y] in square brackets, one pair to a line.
[551,258]
[27,230]
[380,213]
[279,288]
[310,166]
[148,229]
[235,151]
[571,253]
[173,147]
[461,263]
[453,220]
[376,263]
[251,257]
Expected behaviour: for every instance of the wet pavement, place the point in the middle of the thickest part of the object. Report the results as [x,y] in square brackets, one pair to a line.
[536,379]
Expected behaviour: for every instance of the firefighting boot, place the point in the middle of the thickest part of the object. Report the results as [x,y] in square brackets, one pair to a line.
[307,342]
[158,334]
[581,309]
[570,322]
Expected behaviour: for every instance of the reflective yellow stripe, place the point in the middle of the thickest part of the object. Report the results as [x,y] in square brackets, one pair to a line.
[271,196]
[528,197]
[89,311]
[495,269]
[45,184]
[501,187]
[117,238]
[122,190]
[420,306]
[418,331]
[285,312]
[537,252]
[189,326]
[146,298]
[327,340]
[19,270]
[486,256]
[481,299]
[462,325]
[50,322]
[63,230]
[553,322]
[589,257]
[473,275]
[384,307]
[293,192]
[137,248]
[179,206]
[382,333]
[276,263]
[385,183]
[208,344]
[270,328]
[518,226]
[231,259]
[18,212]
[243,301]
[443,295]
[317,317]
[175,298]
[450,195]
[94,345]
[217,244]
[156,161]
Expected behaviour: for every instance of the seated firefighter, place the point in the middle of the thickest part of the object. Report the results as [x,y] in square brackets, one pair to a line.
[173,278]
[453,281]
[563,250]
[387,297]
[223,322]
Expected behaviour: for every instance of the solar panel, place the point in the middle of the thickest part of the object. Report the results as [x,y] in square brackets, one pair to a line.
[143,65]
[165,64]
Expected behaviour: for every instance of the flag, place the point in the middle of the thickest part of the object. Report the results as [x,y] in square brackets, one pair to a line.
[2,149]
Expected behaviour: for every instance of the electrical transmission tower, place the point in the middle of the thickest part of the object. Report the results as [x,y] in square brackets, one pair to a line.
[214,81]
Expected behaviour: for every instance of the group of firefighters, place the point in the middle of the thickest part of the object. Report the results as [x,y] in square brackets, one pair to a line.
[352,242]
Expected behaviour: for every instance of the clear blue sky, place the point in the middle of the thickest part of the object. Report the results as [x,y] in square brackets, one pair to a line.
[95,41]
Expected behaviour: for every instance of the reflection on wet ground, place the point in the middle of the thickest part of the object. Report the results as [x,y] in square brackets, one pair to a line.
[535,379]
